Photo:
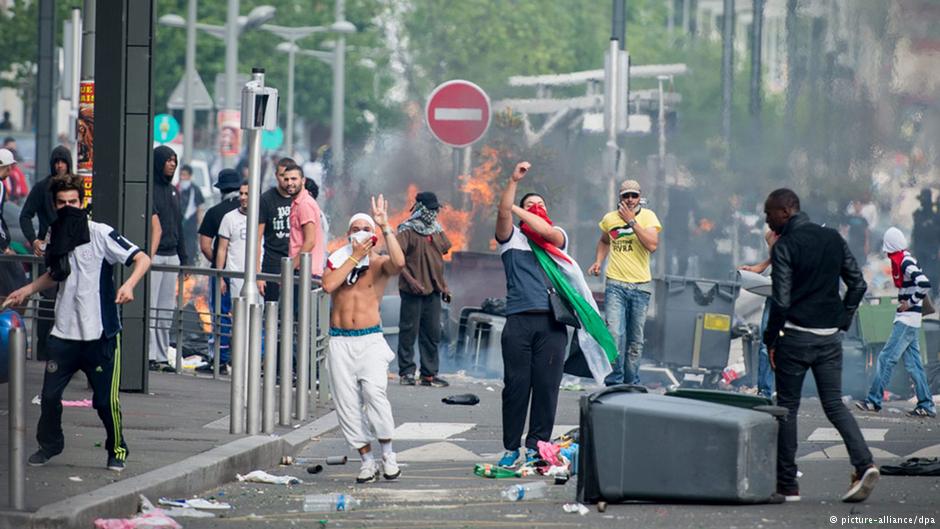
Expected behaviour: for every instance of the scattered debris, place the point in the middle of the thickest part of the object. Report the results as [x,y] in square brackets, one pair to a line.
[575,507]
[314,469]
[260,476]
[75,479]
[152,520]
[466,399]
[195,503]
[336,460]
[490,388]
[601,506]
[287,461]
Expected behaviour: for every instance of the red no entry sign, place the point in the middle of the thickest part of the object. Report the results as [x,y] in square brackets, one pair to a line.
[458,113]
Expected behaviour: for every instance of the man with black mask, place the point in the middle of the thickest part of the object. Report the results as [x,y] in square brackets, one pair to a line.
[166,248]
[84,337]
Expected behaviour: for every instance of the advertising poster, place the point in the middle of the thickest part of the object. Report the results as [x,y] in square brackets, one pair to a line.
[85,132]
[230,132]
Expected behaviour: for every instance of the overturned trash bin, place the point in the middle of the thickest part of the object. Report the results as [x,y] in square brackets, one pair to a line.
[640,446]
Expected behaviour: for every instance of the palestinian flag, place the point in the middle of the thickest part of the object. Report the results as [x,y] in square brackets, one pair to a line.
[620,231]
[595,340]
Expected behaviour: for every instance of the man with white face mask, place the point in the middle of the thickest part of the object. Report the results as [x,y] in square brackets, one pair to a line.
[355,277]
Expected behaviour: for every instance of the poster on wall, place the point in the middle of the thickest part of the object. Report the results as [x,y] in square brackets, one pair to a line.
[85,136]
[230,132]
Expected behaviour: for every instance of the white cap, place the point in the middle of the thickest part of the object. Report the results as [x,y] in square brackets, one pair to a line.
[6,158]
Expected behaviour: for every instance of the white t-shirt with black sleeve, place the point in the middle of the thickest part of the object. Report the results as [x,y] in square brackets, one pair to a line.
[85,308]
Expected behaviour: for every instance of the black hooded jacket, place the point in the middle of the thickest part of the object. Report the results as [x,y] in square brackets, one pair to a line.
[166,206]
[808,261]
[40,201]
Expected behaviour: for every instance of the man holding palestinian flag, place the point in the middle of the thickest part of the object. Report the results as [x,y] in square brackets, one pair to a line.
[539,276]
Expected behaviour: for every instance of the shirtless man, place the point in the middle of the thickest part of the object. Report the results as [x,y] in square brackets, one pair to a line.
[358,356]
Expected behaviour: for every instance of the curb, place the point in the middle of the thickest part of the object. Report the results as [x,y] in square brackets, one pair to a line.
[202,471]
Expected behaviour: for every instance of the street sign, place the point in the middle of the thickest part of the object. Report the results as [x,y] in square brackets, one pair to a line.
[165,128]
[201,99]
[458,113]
[271,140]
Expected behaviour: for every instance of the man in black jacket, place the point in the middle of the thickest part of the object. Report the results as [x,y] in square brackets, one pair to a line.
[803,333]
[166,248]
[39,201]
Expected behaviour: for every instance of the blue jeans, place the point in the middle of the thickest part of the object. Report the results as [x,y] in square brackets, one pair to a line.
[765,375]
[225,320]
[625,312]
[903,341]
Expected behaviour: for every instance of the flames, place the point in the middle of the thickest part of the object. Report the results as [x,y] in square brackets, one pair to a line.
[476,198]
[194,289]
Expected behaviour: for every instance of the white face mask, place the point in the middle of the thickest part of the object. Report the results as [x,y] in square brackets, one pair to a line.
[360,236]
[185,184]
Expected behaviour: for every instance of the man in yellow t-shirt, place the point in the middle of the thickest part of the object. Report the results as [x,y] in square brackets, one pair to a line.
[629,236]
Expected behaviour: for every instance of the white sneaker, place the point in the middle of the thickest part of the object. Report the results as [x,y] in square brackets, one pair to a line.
[368,472]
[390,466]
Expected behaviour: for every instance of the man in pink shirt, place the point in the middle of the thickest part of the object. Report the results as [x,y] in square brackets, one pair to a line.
[305,232]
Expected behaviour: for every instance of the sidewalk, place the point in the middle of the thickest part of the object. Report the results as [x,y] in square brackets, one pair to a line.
[177,438]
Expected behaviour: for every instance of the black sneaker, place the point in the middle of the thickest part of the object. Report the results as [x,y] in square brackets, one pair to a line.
[866,405]
[161,367]
[407,380]
[115,464]
[38,459]
[434,382]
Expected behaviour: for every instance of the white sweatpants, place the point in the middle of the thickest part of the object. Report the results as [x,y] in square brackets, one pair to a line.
[359,376]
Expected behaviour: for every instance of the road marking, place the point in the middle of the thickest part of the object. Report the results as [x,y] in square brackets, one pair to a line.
[840,452]
[437,452]
[430,431]
[930,451]
[458,114]
[831,434]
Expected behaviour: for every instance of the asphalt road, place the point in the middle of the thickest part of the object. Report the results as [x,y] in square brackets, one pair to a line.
[439,444]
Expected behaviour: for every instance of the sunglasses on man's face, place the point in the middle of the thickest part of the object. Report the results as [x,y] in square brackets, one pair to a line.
[629,195]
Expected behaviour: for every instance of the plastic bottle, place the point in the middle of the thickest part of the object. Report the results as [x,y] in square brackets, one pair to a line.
[525,491]
[333,502]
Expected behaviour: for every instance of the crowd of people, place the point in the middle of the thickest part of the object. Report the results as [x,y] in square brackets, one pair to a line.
[546,294]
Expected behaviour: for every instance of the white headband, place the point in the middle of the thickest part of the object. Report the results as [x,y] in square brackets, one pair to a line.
[361,216]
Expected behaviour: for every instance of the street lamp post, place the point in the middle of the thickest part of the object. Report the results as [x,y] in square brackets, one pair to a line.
[291,35]
[235,25]
[189,76]
[231,65]
[339,87]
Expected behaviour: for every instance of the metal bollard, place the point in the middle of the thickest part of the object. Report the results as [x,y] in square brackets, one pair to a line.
[17,388]
[270,355]
[254,367]
[178,316]
[237,347]
[287,339]
[217,325]
[324,316]
[303,337]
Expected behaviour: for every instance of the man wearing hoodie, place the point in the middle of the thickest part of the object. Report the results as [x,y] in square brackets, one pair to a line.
[166,248]
[39,201]
[913,287]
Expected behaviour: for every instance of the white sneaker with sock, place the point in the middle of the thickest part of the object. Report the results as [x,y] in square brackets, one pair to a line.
[390,466]
[368,472]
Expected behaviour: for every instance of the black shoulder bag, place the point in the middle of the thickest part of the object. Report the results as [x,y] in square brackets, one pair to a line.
[561,310]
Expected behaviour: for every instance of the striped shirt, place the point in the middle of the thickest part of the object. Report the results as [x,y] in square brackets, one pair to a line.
[914,288]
